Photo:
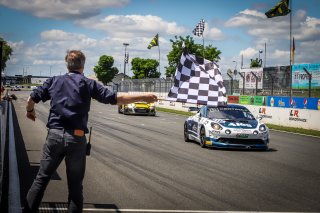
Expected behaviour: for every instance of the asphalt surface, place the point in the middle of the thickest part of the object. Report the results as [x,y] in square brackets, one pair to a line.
[141,163]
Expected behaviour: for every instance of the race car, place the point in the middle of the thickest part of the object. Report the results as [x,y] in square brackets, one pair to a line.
[231,126]
[141,108]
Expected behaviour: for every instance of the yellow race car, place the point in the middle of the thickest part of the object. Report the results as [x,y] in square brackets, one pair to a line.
[140,108]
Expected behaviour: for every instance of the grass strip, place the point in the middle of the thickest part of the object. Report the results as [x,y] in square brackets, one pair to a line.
[294,130]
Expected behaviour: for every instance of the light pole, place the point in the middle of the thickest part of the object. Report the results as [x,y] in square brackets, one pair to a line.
[235,72]
[235,67]
[260,60]
[125,59]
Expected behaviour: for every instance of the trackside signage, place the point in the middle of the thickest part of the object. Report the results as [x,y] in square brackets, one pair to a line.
[290,117]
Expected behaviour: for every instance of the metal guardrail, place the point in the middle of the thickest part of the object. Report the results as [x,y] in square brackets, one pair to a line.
[3,130]
[9,175]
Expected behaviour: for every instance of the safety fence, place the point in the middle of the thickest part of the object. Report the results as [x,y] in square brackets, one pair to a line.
[270,81]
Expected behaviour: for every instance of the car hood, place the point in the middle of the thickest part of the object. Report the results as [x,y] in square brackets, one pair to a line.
[142,105]
[248,124]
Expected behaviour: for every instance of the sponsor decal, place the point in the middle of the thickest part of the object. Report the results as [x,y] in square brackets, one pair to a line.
[242,135]
[239,124]
[218,121]
[305,101]
[294,116]
[263,112]
[208,143]
[272,102]
[281,103]
[213,132]
[241,131]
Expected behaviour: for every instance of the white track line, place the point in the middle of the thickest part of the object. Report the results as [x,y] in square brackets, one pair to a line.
[150,210]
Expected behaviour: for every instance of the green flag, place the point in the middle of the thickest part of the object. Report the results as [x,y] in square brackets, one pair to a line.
[281,9]
[154,42]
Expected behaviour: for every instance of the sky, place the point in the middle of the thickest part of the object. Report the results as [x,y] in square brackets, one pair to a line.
[41,31]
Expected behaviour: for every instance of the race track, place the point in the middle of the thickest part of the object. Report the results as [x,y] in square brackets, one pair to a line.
[142,164]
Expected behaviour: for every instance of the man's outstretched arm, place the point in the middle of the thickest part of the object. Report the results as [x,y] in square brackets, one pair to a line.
[131,98]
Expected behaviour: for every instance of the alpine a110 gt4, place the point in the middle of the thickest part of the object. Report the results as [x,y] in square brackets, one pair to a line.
[231,126]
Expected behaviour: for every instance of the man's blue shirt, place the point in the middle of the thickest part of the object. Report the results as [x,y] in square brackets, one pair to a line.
[70,96]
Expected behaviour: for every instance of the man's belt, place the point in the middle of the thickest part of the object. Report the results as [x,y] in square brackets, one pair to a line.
[78,132]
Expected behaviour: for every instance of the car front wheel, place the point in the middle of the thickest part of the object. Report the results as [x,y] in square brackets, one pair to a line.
[202,137]
[185,133]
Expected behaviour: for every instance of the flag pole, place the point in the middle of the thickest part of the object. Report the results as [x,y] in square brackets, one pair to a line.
[203,44]
[290,83]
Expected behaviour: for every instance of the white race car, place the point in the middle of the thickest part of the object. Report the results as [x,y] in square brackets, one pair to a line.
[231,126]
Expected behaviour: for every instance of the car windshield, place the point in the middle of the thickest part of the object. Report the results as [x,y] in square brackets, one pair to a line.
[230,113]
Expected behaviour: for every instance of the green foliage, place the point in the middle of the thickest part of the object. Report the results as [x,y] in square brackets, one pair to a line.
[104,70]
[7,51]
[144,68]
[209,52]
[256,63]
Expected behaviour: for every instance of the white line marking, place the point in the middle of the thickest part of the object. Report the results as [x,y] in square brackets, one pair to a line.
[294,133]
[149,210]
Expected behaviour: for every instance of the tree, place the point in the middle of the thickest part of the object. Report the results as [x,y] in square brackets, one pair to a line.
[209,52]
[256,63]
[7,51]
[104,70]
[145,68]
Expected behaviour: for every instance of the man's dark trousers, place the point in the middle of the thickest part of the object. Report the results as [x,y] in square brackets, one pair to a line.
[60,144]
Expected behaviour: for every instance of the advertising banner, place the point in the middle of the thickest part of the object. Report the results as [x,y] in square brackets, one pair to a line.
[250,80]
[305,103]
[278,101]
[246,99]
[260,101]
[294,102]
[300,79]
[233,99]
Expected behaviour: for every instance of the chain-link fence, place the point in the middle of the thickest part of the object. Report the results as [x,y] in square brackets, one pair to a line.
[271,81]
[159,85]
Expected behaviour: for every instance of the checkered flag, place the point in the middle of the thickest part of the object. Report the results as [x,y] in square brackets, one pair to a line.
[198,30]
[126,58]
[197,81]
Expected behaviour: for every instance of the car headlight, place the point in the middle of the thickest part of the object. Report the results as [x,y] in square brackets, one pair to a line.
[262,128]
[216,126]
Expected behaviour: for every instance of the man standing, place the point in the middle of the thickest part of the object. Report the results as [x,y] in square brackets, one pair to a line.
[70,96]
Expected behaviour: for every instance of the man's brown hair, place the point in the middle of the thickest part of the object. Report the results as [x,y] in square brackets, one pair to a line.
[75,59]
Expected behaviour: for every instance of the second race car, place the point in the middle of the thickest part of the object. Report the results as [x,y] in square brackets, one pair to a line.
[231,126]
[141,108]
